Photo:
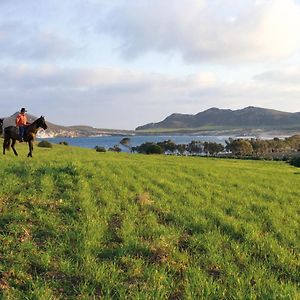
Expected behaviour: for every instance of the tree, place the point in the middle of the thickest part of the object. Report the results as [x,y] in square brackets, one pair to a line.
[149,148]
[294,142]
[240,147]
[278,145]
[195,147]
[259,146]
[181,148]
[167,145]
[213,148]
[126,142]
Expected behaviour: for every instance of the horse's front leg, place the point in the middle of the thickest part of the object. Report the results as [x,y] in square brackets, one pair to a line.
[13,147]
[30,145]
[4,147]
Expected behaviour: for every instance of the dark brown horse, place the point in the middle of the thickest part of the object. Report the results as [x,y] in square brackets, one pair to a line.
[11,135]
[1,126]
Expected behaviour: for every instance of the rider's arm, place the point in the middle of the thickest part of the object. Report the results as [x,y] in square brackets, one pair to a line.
[17,120]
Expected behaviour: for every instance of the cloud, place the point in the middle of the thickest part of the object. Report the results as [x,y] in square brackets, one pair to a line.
[103,97]
[120,98]
[287,76]
[206,30]
[19,41]
[50,76]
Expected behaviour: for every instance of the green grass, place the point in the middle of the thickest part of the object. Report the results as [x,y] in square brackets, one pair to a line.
[77,224]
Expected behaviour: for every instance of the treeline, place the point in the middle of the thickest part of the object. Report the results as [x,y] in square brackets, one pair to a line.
[234,147]
[169,147]
[287,149]
[259,147]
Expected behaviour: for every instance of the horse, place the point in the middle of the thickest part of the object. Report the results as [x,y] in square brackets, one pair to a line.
[11,133]
[1,126]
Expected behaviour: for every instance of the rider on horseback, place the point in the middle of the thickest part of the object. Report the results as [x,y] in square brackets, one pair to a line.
[21,122]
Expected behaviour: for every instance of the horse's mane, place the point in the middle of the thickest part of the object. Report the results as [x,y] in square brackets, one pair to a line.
[35,122]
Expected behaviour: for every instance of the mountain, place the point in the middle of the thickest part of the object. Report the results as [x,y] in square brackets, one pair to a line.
[55,130]
[249,117]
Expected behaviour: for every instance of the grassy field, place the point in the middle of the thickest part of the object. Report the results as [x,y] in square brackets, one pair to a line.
[77,224]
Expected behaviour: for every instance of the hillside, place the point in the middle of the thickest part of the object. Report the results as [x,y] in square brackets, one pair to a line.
[55,130]
[77,224]
[249,117]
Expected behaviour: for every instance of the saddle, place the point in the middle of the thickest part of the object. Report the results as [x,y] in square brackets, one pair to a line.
[18,132]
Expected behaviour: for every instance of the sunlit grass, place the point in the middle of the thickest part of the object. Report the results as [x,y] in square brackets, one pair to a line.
[75,223]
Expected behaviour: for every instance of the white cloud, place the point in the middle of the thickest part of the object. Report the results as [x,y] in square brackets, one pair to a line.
[288,76]
[111,97]
[207,30]
[51,76]
[19,41]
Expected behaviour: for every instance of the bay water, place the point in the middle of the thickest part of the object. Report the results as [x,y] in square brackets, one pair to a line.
[110,141]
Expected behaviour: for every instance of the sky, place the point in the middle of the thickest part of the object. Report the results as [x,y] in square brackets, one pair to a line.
[125,63]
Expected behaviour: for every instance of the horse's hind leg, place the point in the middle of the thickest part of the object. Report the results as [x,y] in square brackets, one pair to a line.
[13,147]
[6,145]
[30,144]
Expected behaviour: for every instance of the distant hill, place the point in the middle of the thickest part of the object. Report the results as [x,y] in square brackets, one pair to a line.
[249,117]
[55,130]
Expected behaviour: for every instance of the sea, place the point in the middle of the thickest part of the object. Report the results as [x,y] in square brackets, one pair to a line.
[110,141]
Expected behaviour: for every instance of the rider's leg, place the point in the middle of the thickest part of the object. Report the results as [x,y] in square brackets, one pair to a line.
[22,131]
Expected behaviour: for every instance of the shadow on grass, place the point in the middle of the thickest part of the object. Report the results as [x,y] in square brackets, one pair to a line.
[138,251]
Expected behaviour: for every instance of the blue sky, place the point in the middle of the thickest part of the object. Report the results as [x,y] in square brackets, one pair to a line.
[124,63]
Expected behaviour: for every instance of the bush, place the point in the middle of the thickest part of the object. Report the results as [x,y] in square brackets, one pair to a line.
[115,149]
[44,144]
[64,143]
[100,149]
[154,149]
[149,148]
[295,161]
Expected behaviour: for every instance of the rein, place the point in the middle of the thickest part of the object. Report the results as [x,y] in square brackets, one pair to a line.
[32,127]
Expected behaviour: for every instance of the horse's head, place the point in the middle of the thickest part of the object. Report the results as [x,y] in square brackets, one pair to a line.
[1,125]
[42,123]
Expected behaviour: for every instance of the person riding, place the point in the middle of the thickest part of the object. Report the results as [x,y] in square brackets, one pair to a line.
[21,122]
